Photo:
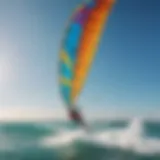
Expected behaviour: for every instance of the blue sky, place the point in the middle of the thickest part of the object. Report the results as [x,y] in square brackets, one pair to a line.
[124,76]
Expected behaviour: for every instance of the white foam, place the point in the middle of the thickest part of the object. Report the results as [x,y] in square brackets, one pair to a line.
[63,138]
[131,138]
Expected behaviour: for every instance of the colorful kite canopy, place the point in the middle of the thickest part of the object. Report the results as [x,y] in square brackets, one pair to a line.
[80,45]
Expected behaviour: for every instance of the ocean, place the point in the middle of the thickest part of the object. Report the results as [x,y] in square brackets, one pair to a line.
[58,140]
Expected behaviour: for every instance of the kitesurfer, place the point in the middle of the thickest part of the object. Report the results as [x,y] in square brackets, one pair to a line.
[77,117]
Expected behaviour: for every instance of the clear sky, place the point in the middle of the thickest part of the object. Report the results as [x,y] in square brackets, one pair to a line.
[125,74]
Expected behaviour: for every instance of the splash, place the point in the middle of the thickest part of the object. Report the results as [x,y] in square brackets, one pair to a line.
[131,138]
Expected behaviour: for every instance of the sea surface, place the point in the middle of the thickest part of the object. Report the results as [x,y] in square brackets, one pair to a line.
[58,140]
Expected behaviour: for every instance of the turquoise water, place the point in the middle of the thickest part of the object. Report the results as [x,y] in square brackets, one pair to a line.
[64,141]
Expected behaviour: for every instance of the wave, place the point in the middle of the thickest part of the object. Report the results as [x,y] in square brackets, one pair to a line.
[130,138]
[5,143]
